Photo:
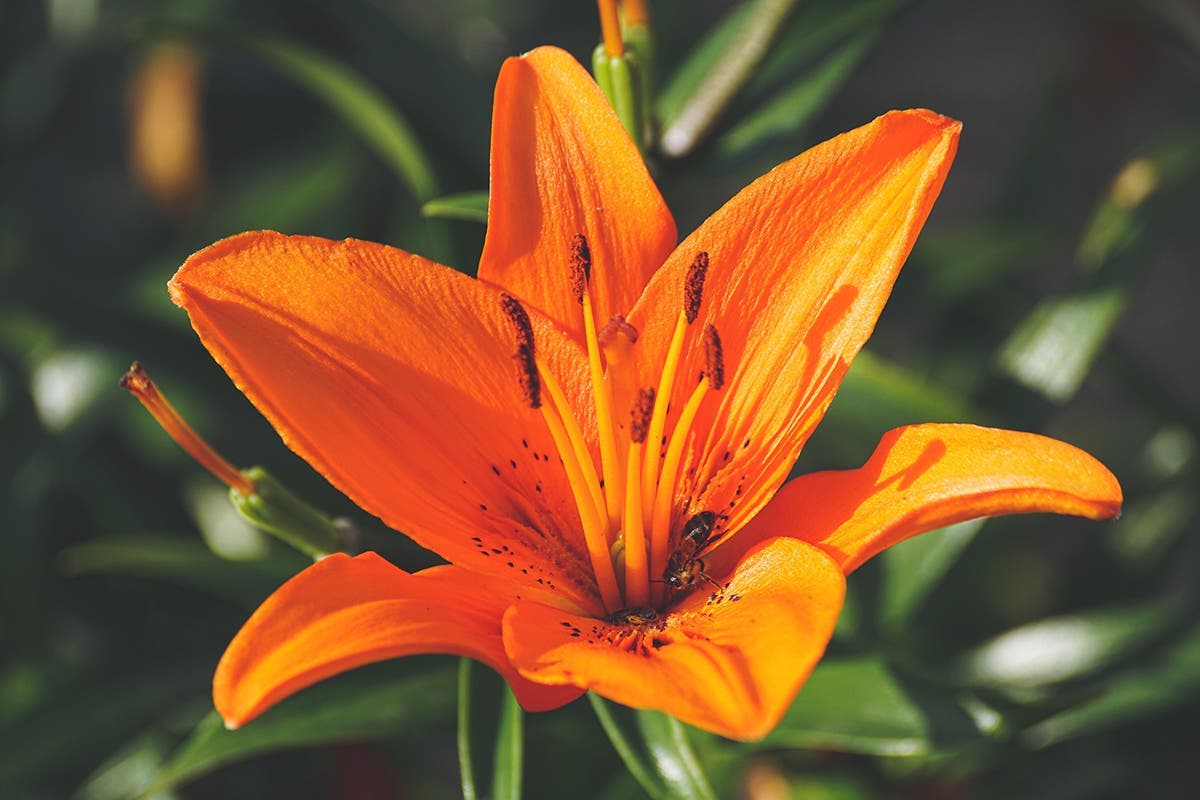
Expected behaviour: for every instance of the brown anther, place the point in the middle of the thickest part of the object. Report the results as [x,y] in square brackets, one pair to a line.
[519,318]
[693,287]
[525,355]
[640,418]
[617,326]
[581,266]
[714,358]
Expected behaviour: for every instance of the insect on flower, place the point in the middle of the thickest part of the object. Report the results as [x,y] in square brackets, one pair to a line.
[685,568]
[550,428]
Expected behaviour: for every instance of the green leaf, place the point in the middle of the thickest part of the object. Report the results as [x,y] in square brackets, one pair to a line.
[469,206]
[673,756]
[625,751]
[790,111]
[857,705]
[362,705]
[1053,350]
[725,74]
[913,569]
[130,772]
[359,104]
[510,750]
[466,768]
[1063,648]
[1168,681]
[184,561]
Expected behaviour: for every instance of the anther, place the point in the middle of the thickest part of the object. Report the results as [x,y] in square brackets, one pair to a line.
[714,358]
[640,418]
[693,287]
[519,318]
[581,266]
[525,355]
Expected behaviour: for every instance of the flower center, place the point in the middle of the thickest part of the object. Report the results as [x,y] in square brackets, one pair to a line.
[626,508]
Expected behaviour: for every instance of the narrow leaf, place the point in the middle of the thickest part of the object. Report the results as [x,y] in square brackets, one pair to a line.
[790,111]
[363,705]
[1063,648]
[673,756]
[466,769]
[469,206]
[357,102]
[725,75]
[859,706]
[916,567]
[625,751]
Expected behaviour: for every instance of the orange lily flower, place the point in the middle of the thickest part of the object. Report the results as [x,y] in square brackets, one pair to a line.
[595,432]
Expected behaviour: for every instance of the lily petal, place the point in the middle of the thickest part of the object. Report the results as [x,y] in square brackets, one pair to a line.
[394,377]
[729,665]
[562,164]
[923,477]
[801,263]
[345,612]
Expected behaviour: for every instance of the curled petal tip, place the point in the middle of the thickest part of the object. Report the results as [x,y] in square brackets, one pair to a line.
[231,724]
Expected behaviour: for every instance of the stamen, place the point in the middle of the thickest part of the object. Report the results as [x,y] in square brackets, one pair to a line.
[589,519]
[637,578]
[693,286]
[614,476]
[660,531]
[137,381]
[617,339]
[581,266]
[577,448]
[714,358]
[693,295]
[525,355]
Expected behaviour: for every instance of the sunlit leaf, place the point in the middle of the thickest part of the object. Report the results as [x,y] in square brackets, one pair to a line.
[363,705]
[859,705]
[129,773]
[673,756]
[727,72]
[1063,648]
[1170,679]
[1052,351]
[469,206]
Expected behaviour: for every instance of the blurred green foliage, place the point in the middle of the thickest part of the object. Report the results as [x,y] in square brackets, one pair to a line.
[1053,290]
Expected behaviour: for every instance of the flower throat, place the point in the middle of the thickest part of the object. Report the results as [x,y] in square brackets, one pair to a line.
[626,508]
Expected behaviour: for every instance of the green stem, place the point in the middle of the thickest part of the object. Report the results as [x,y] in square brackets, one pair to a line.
[465,769]
[626,752]
[510,750]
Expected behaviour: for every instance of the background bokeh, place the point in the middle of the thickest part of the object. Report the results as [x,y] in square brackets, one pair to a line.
[1054,289]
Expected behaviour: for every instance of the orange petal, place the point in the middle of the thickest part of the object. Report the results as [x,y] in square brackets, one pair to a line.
[562,164]
[730,666]
[927,476]
[801,263]
[345,612]
[395,378]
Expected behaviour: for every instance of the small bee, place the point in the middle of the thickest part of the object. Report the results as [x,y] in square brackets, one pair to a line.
[684,569]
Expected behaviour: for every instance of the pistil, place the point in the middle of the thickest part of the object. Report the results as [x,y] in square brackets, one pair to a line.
[137,381]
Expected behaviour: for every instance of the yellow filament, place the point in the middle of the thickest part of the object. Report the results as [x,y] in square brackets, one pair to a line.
[658,420]
[593,525]
[660,531]
[614,477]
[637,583]
[577,446]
